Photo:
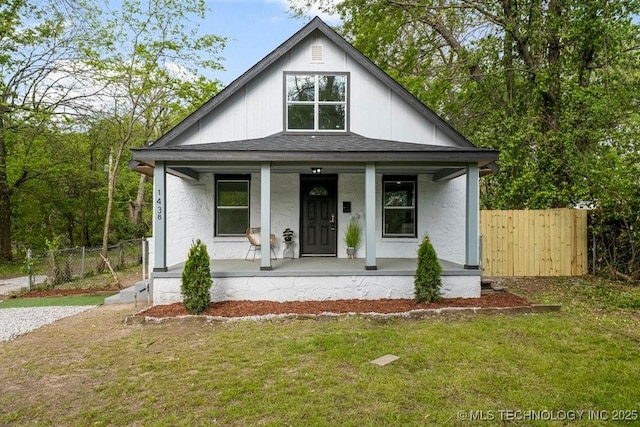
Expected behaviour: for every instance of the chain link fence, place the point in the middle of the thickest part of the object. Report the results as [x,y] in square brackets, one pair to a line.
[54,268]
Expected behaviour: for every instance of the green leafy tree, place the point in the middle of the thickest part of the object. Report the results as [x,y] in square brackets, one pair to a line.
[614,222]
[63,195]
[153,64]
[196,279]
[39,45]
[80,83]
[543,81]
[427,281]
[553,84]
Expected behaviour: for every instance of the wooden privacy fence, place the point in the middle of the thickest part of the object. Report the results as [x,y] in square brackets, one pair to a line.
[550,242]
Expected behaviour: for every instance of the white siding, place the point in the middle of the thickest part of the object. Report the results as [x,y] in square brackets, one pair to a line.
[350,189]
[370,107]
[257,110]
[189,215]
[377,112]
[264,98]
[285,208]
[191,209]
[254,111]
[299,58]
[440,215]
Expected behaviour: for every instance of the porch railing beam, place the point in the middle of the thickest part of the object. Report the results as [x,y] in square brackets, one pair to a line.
[370,216]
[472,245]
[265,215]
[160,217]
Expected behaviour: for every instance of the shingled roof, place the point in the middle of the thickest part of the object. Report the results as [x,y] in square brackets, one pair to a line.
[290,146]
[316,147]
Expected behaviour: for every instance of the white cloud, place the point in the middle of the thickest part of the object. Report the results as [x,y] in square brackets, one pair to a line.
[314,10]
[179,71]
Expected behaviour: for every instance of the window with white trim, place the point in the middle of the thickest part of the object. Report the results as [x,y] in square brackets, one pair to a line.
[399,206]
[232,204]
[316,102]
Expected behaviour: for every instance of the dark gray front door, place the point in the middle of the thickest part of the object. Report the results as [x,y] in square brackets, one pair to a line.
[319,197]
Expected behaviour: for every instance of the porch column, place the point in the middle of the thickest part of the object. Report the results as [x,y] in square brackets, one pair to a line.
[370,216]
[265,216]
[472,245]
[160,217]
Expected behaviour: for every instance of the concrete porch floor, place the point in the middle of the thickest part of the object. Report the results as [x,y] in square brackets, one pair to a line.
[320,266]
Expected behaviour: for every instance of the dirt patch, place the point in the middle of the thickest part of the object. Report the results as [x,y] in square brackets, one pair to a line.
[383,306]
[66,292]
[127,278]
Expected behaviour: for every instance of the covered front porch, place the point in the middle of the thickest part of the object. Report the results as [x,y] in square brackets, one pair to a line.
[447,209]
[317,278]
[435,189]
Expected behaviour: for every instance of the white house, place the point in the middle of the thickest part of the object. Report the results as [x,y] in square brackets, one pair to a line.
[311,136]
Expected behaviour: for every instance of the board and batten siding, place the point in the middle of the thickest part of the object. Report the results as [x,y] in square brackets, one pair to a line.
[257,109]
[550,242]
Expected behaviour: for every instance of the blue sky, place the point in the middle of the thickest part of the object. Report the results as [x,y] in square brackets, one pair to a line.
[253,27]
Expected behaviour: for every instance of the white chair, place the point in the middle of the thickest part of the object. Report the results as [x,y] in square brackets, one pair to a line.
[255,242]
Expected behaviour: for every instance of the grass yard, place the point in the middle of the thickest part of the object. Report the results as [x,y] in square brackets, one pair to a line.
[453,370]
[73,300]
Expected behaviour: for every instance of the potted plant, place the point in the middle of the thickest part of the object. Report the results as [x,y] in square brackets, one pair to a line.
[352,237]
[287,234]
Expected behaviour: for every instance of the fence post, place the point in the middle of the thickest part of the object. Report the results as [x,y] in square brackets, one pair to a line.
[82,263]
[29,269]
[121,262]
[593,255]
[480,254]
[144,258]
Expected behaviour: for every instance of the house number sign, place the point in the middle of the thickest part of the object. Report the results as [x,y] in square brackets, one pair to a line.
[159,206]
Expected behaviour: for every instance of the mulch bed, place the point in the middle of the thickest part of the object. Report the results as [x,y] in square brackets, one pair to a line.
[383,306]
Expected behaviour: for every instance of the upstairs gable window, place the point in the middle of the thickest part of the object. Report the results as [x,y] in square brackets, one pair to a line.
[316,102]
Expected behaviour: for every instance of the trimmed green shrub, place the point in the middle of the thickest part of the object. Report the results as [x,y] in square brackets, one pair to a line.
[427,281]
[196,279]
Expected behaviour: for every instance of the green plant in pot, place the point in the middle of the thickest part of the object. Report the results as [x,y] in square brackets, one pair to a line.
[287,234]
[352,237]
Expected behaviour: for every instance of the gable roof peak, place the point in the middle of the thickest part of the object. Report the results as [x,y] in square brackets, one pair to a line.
[315,24]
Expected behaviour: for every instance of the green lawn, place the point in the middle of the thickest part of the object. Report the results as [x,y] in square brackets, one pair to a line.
[95,299]
[93,370]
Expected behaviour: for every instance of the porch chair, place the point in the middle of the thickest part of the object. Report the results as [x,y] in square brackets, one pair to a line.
[255,242]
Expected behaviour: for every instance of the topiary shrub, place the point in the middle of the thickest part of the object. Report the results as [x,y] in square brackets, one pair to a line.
[427,281]
[196,279]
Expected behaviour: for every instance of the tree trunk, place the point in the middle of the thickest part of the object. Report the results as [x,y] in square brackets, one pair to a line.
[509,76]
[5,199]
[111,190]
[135,207]
[551,96]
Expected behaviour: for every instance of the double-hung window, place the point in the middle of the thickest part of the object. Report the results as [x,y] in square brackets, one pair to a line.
[232,204]
[316,102]
[399,208]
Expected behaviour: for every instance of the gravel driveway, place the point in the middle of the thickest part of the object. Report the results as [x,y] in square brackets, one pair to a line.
[18,321]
